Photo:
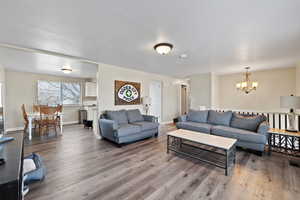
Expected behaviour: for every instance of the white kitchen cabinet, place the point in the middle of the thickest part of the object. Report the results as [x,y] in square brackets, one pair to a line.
[90,89]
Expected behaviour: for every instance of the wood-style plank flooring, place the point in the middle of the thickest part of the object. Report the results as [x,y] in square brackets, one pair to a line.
[79,166]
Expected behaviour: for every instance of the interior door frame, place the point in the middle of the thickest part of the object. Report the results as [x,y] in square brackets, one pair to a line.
[161,96]
[3,95]
[187,102]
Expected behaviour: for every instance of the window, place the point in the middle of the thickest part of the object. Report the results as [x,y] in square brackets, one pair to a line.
[70,93]
[53,93]
[49,93]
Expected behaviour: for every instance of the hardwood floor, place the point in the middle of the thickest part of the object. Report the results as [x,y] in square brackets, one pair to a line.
[81,167]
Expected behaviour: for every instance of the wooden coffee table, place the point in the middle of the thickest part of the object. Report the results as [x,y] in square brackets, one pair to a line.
[215,150]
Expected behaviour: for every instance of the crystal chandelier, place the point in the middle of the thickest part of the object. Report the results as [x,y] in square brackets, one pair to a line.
[247,86]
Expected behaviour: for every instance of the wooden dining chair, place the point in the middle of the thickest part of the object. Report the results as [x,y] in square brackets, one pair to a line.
[25,117]
[36,108]
[48,119]
[26,120]
[59,109]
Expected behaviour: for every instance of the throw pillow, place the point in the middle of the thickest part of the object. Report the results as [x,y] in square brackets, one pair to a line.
[119,116]
[134,116]
[197,116]
[249,122]
[219,118]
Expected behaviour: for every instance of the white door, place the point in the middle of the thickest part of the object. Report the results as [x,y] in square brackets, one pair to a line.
[155,91]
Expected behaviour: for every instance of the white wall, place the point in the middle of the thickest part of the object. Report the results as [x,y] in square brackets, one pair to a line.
[107,74]
[200,90]
[298,79]
[215,92]
[219,91]
[272,84]
[21,88]
[2,74]
[2,81]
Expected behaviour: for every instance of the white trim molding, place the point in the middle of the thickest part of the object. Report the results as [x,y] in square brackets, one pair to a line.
[21,128]
[166,122]
[71,122]
[14,129]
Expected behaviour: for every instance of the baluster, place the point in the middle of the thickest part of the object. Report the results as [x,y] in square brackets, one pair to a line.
[299,124]
[268,117]
[274,120]
[279,121]
[285,120]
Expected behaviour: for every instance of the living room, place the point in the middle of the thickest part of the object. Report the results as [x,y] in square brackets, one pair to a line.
[191,100]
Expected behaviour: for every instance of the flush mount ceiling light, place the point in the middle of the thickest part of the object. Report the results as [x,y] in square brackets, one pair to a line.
[66,69]
[163,48]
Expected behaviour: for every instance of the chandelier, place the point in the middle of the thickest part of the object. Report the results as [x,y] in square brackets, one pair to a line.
[247,86]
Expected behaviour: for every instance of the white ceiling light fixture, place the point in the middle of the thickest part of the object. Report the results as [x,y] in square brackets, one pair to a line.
[66,69]
[163,48]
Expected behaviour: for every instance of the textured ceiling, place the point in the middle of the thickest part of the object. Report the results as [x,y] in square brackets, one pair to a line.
[218,35]
[45,64]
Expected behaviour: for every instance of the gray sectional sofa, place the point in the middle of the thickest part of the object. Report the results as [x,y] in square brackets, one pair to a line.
[126,126]
[251,131]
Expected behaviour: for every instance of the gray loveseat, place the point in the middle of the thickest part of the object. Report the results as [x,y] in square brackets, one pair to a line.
[251,132]
[126,126]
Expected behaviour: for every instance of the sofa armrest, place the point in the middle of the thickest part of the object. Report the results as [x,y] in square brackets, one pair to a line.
[263,128]
[150,118]
[107,127]
[182,118]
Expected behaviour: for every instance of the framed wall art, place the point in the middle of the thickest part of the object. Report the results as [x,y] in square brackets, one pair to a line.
[127,93]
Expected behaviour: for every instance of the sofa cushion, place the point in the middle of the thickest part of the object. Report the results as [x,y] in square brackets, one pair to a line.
[134,116]
[119,116]
[194,126]
[127,129]
[263,128]
[197,116]
[249,123]
[219,118]
[239,134]
[147,125]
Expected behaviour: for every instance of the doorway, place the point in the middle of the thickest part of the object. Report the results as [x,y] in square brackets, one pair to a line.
[183,99]
[1,109]
[155,91]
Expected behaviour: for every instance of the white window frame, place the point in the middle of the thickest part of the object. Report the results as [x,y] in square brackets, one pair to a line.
[61,92]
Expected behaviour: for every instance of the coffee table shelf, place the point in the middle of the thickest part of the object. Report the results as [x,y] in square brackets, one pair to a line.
[214,150]
[285,142]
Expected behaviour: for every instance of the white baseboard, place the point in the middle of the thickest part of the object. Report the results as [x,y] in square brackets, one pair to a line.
[71,122]
[167,122]
[14,129]
[21,128]
[98,137]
